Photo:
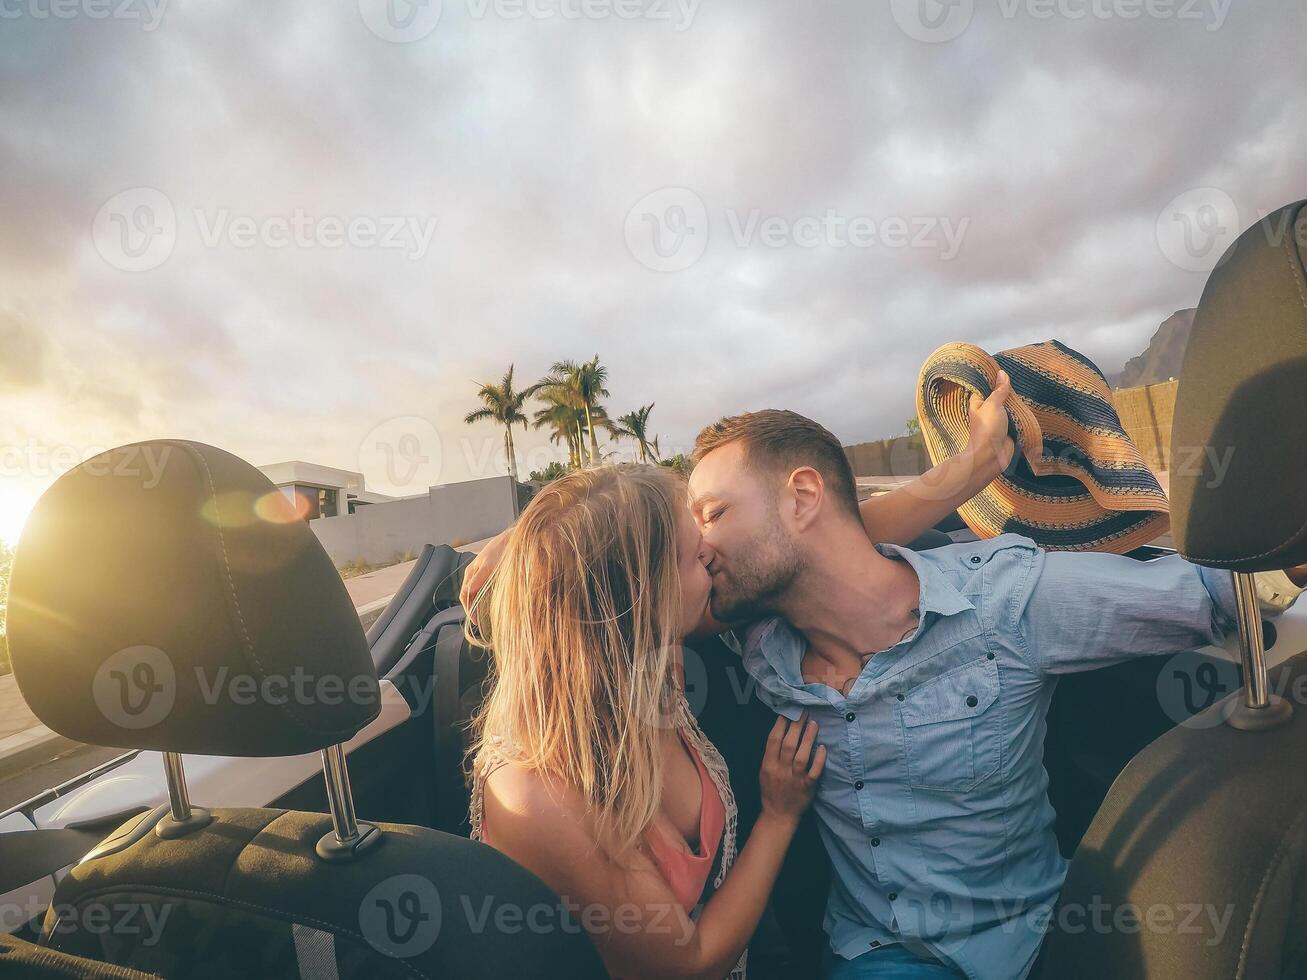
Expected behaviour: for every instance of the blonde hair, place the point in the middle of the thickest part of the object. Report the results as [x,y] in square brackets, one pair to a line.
[583,612]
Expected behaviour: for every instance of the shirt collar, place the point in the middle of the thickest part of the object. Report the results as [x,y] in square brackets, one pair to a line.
[776,643]
[938,594]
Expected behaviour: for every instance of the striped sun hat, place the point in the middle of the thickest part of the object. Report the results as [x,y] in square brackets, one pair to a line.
[1077,482]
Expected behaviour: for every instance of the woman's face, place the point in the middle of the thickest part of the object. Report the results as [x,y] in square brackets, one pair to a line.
[696,585]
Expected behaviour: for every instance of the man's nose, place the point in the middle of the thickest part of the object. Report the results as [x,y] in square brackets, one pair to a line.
[706,555]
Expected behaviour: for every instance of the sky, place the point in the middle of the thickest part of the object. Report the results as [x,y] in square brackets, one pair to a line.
[306,230]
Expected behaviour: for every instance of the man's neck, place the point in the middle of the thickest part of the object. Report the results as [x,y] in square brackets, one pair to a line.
[852,601]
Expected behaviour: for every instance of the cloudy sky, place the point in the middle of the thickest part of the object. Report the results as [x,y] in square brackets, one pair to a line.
[303,229]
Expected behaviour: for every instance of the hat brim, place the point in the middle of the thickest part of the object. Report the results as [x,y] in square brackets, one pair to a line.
[1078,482]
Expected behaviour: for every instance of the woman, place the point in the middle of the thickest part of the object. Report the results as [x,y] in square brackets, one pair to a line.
[590,769]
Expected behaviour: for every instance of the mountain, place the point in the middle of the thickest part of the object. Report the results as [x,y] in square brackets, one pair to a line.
[1164,355]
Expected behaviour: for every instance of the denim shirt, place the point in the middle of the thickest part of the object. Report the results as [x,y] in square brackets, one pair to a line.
[933,805]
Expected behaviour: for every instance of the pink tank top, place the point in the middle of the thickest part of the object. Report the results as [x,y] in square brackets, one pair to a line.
[685,873]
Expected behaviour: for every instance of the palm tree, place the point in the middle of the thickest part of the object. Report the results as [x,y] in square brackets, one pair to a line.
[564,418]
[635,425]
[503,404]
[586,383]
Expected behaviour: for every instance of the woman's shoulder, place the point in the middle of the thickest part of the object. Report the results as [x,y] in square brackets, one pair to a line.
[525,804]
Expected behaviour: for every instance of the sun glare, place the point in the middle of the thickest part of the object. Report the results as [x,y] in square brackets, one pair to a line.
[13,514]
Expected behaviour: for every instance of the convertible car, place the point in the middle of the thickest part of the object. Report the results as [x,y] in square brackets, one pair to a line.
[291,798]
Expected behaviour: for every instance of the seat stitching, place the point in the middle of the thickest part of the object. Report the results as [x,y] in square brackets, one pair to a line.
[226,563]
[1277,858]
[225,900]
[235,596]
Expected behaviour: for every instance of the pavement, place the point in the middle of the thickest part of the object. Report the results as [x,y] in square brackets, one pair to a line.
[381,584]
[14,716]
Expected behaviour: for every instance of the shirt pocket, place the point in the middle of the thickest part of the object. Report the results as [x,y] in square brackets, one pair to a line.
[951,728]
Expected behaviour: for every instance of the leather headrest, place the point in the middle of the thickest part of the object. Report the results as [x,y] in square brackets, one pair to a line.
[165,595]
[1239,441]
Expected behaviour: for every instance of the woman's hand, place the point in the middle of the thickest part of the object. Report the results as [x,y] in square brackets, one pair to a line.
[989,444]
[478,571]
[791,768]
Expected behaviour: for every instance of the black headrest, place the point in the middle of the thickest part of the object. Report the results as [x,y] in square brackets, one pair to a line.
[165,595]
[1239,441]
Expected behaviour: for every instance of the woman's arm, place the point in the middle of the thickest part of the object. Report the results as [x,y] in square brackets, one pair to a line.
[638,926]
[905,513]
[789,782]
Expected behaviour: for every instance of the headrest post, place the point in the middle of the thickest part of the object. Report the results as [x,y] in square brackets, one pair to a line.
[1259,709]
[182,817]
[340,797]
[349,836]
[178,796]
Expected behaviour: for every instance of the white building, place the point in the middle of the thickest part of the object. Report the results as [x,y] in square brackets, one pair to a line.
[355,524]
[322,491]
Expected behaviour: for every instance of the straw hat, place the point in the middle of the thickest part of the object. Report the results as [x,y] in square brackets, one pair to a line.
[1077,482]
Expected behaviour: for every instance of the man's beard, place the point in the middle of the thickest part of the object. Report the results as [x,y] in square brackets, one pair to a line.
[760,575]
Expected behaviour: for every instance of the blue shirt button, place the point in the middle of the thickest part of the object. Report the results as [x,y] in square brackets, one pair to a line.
[850,716]
[893,895]
[975,559]
[875,842]
[858,785]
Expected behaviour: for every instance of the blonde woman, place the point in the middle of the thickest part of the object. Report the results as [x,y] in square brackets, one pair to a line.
[590,769]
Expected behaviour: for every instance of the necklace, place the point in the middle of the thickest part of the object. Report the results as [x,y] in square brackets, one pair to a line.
[915,613]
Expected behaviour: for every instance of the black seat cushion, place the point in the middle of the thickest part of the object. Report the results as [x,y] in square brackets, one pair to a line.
[1196,864]
[247,897]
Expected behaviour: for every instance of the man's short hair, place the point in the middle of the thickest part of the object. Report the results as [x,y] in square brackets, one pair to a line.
[783,441]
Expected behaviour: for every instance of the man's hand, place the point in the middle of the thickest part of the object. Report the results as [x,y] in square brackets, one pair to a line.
[989,444]
[478,572]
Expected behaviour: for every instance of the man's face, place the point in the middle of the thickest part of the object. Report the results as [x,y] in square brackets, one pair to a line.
[737,508]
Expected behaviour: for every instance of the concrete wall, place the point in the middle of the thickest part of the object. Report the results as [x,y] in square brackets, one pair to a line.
[887,457]
[454,512]
[1146,413]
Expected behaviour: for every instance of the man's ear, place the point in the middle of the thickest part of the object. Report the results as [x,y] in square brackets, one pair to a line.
[807,493]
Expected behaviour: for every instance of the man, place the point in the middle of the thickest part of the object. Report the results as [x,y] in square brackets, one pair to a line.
[930,675]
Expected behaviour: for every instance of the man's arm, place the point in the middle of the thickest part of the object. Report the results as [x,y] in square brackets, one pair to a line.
[907,512]
[1080,611]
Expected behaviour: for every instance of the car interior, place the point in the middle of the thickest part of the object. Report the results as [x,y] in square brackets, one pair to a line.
[365,870]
